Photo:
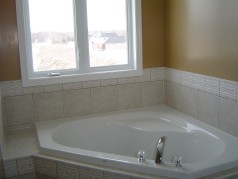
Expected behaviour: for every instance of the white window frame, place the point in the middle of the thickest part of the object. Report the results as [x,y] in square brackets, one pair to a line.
[84,73]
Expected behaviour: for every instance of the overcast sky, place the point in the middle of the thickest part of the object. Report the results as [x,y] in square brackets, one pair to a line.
[57,15]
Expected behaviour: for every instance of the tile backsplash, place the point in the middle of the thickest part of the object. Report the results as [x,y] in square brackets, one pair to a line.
[25,105]
[208,99]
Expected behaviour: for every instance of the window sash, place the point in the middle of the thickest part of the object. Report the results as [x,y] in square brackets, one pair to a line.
[133,68]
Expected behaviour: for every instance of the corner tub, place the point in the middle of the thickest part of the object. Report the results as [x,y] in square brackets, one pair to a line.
[114,139]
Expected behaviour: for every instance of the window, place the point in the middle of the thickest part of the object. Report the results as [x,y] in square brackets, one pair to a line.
[78,40]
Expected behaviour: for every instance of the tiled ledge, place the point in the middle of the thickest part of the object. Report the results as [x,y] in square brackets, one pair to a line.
[20,143]
[223,92]
[19,147]
[22,160]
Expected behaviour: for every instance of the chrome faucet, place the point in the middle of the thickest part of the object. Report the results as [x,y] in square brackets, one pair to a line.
[159,150]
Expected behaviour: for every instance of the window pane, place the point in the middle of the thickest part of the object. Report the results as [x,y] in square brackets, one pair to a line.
[52,34]
[107,30]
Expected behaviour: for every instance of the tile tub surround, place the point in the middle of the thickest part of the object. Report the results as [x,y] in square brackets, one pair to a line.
[208,99]
[23,161]
[182,91]
[25,164]
[23,106]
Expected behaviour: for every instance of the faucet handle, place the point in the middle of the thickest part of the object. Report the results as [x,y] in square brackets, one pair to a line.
[141,156]
[177,161]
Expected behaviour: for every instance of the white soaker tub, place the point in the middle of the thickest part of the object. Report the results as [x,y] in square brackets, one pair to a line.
[114,140]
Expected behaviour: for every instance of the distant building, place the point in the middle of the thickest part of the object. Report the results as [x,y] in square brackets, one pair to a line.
[102,41]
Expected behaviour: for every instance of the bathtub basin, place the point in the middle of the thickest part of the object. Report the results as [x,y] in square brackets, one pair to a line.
[114,139]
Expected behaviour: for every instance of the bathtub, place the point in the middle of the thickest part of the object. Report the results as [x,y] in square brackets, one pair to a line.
[114,139]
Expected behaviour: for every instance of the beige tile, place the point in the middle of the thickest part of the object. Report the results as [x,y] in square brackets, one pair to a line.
[111,175]
[48,106]
[173,75]
[53,88]
[126,80]
[129,96]
[189,101]
[172,95]
[39,176]
[68,171]
[237,92]
[157,74]
[29,176]
[72,86]
[208,108]
[104,99]
[88,173]
[91,84]
[212,85]
[25,166]
[11,88]
[187,79]
[77,102]
[199,82]
[24,140]
[152,93]
[18,110]
[46,167]
[32,89]
[145,77]
[151,177]
[139,178]
[10,168]
[109,82]
[228,89]
[228,116]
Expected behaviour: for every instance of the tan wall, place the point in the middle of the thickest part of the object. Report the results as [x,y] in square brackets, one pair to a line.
[202,37]
[152,16]
[153,37]
[9,54]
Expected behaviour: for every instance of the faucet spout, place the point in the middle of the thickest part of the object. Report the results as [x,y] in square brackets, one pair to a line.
[159,150]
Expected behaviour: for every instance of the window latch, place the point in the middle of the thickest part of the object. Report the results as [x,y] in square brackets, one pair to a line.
[51,74]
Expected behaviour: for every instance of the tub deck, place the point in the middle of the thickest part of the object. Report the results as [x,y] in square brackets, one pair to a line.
[27,160]
[206,150]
